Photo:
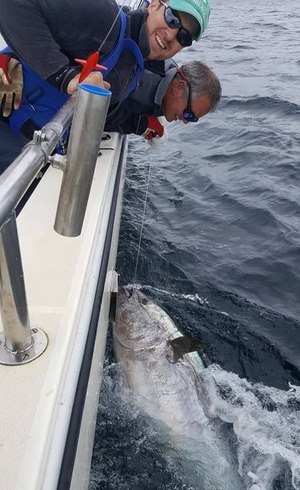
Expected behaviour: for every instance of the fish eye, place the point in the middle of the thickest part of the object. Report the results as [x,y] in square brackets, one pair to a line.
[144,301]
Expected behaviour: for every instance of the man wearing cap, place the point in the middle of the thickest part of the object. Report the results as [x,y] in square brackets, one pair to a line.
[53,33]
[50,34]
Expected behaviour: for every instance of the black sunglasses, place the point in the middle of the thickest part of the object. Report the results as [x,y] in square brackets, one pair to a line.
[172,19]
[188,114]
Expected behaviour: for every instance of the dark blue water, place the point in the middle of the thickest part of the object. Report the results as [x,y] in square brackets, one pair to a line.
[220,252]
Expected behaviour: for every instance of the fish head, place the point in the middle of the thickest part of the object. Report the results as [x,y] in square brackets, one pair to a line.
[137,319]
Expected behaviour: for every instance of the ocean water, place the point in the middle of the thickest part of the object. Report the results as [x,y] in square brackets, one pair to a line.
[220,252]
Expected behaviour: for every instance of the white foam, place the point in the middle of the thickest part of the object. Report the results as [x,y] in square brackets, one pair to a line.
[266,423]
[190,297]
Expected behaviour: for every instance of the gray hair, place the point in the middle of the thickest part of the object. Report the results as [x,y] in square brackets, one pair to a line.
[203,81]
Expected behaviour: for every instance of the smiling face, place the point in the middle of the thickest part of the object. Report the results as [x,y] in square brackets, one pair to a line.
[162,39]
[176,99]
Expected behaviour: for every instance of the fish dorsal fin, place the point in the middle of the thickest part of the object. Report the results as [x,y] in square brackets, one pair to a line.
[184,345]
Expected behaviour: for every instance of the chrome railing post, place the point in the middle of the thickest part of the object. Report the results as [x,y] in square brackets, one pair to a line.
[16,179]
[86,133]
[18,343]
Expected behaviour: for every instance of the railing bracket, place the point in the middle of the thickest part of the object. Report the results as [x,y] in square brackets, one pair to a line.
[58,161]
[11,358]
[38,137]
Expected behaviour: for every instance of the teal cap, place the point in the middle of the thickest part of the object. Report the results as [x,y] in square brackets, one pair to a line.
[199,9]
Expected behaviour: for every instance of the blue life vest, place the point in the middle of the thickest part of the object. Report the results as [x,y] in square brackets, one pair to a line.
[41,100]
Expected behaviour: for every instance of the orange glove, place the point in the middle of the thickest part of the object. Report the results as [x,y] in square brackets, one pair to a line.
[11,84]
[154,128]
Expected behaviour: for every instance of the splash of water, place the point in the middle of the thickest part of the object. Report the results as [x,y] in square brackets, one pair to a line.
[266,425]
[191,297]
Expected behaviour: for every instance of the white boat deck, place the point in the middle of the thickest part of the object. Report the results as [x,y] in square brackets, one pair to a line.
[60,278]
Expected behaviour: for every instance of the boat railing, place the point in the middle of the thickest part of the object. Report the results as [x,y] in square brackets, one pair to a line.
[87,112]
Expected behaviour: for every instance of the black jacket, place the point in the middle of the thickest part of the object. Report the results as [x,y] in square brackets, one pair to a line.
[49,34]
[146,100]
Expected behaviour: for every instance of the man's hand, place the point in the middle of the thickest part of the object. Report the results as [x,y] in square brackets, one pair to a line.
[11,84]
[154,128]
[94,78]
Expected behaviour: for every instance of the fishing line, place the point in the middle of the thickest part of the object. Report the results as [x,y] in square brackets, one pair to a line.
[115,109]
[143,221]
[112,26]
[114,22]
[113,112]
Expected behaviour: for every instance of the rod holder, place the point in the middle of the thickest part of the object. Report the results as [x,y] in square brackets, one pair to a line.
[85,138]
[18,343]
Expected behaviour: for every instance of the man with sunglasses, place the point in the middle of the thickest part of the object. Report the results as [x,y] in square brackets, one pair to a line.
[48,35]
[185,94]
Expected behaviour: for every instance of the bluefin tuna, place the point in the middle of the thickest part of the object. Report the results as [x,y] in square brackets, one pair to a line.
[164,374]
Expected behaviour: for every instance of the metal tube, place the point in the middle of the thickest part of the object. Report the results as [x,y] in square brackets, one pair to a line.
[18,343]
[86,133]
[17,178]
[14,312]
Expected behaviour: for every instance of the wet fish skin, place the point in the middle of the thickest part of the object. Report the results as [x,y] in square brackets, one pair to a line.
[169,391]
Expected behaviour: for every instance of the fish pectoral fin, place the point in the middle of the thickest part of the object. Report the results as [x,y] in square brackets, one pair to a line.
[184,345]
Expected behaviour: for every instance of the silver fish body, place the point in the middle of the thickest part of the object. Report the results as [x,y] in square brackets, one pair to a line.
[169,391]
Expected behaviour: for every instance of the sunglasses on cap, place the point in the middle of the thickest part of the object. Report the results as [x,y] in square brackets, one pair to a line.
[172,20]
[188,114]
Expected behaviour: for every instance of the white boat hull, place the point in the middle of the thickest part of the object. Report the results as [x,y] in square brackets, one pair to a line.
[48,410]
